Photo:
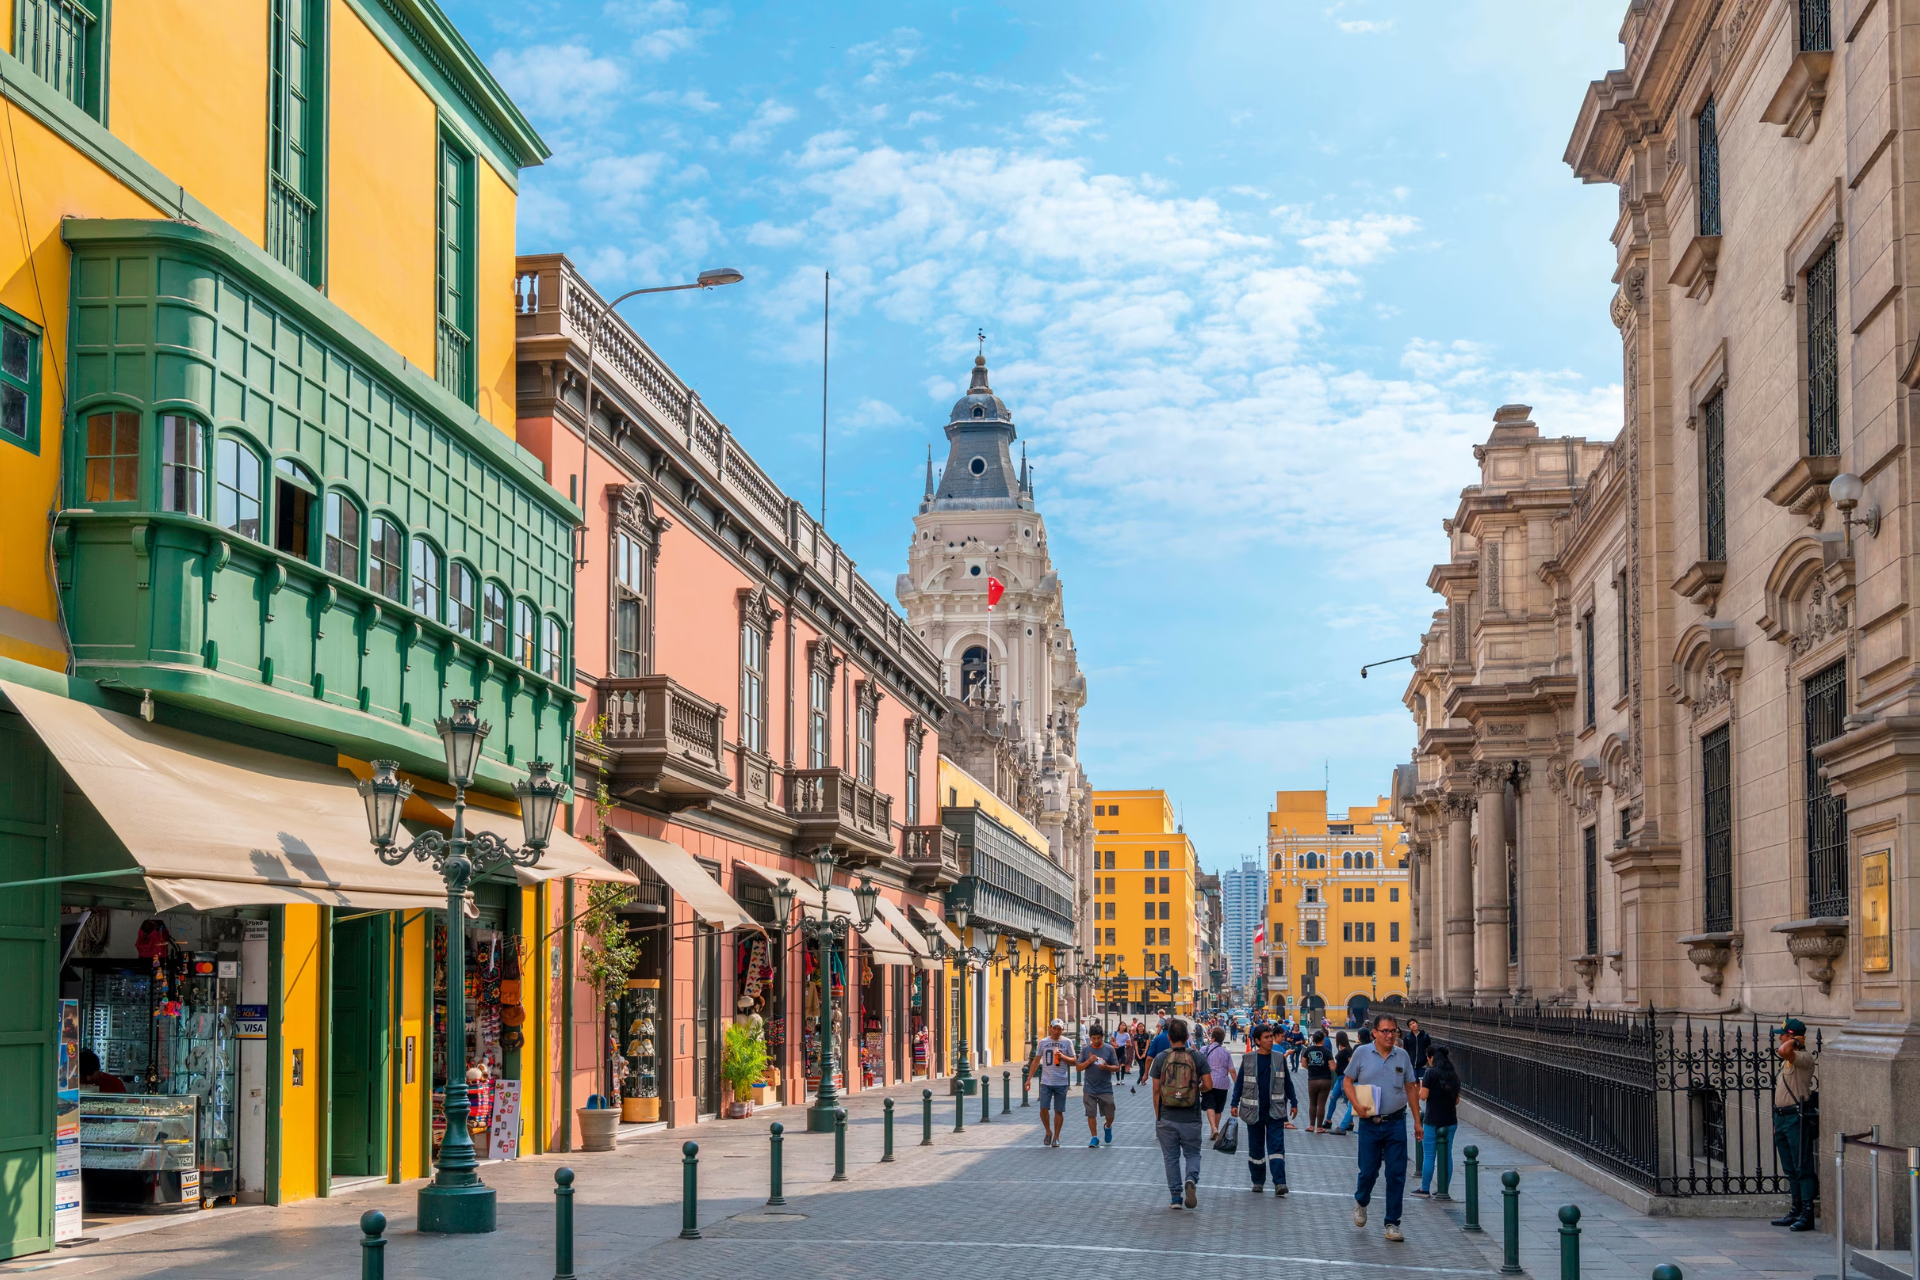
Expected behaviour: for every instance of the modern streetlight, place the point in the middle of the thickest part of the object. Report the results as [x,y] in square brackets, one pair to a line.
[969,958]
[828,933]
[712,278]
[456,1202]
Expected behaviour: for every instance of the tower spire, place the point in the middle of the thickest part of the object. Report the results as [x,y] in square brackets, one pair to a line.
[929,471]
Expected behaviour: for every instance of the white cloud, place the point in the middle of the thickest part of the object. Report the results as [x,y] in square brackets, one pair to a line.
[1365,26]
[558,81]
[1055,126]
[1352,242]
[623,181]
[666,28]
[758,130]
[923,117]
[691,99]
[884,57]
[871,413]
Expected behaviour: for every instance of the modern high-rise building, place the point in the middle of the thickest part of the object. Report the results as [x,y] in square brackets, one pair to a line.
[1243,896]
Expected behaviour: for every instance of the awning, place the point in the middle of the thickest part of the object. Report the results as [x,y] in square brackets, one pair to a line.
[772,876]
[565,857]
[687,878]
[897,920]
[840,902]
[951,938]
[212,824]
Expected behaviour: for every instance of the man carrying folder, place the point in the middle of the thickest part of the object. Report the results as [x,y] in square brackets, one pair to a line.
[1379,1084]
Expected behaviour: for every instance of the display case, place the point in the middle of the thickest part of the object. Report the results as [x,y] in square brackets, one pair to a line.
[139,1152]
[640,1045]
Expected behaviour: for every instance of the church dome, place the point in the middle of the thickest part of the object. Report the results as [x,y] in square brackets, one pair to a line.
[979,404]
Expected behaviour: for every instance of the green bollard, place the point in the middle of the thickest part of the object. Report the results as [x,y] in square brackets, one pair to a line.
[959,1113]
[986,1099]
[776,1140]
[1510,1215]
[1569,1242]
[886,1143]
[1006,1093]
[926,1117]
[1667,1271]
[1470,1164]
[1025,1080]
[690,1191]
[373,1250]
[563,1224]
[840,1145]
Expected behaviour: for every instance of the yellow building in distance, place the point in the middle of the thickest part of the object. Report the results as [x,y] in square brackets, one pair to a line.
[1143,897]
[1339,922]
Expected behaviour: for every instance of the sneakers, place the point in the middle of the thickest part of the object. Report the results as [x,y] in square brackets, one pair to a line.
[1093,1142]
[1193,1194]
[1108,1130]
[1359,1215]
[1421,1191]
[1279,1188]
[1393,1233]
[1257,1188]
[1176,1204]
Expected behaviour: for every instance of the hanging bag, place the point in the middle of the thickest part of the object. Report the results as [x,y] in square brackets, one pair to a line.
[1229,1140]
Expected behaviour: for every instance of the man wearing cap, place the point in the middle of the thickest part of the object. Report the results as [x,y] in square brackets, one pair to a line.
[1053,1058]
[1796,1121]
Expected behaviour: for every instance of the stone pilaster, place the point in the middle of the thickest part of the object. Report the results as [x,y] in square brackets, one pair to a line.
[1457,978]
[1490,882]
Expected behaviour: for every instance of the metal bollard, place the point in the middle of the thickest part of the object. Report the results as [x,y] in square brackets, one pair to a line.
[1667,1271]
[840,1145]
[1025,1080]
[926,1117]
[563,1224]
[1840,1204]
[1569,1242]
[1006,1093]
[1470,1170]
[1510,1213]
[776,1140]
[886,1141]
[373,1249]
[986,1098]
[690,1191]
[959,1113]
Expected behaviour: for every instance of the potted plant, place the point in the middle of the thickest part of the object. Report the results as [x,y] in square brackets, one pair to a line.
[743,1063]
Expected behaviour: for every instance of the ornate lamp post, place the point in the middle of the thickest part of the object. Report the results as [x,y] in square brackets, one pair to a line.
[969,958]
[828,933]
[456,1202]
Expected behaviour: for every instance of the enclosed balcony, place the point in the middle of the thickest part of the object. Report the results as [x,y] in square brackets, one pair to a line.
[829,806]
[661,743]
[933,856]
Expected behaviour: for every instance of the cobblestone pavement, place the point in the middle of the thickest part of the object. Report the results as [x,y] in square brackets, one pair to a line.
[993,1193]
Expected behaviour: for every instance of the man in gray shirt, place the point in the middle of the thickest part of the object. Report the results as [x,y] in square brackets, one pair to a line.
[1393,1094]
[1053,1058]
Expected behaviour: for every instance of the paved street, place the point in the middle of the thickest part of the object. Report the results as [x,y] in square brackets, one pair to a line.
[992,1192]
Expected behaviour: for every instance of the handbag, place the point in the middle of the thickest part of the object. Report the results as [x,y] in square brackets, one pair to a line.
[1229,1140]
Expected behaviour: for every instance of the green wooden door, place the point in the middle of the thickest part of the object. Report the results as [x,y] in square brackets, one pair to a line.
[29,952]
[358,1052]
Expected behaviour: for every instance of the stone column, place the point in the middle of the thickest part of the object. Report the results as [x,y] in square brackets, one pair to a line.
[1458,975]
[1424,956]
[1490,900]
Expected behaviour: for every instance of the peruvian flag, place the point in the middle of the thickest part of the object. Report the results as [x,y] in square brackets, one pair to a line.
[995,589]
[1260,936]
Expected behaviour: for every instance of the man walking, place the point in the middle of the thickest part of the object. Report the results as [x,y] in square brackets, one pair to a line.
[1054,1057]
[1263,1097]
[1796,1121]
[1417,1046]
[1379,1085]
[1318,1060]
[1099,1065]
[1178,1078]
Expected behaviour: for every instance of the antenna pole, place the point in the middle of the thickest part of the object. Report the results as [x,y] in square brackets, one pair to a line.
[826,321]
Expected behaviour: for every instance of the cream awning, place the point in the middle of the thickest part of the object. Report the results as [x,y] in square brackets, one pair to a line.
[565,857]
[689,879]
[902,927]
[212,824]
[947,935]
[840,902]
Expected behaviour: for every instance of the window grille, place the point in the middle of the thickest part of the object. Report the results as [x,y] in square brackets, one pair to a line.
[1826,708]
[1590,858]
[1714,478]
[1823,356]
[1709,177]
[1716,835]
[1816,26]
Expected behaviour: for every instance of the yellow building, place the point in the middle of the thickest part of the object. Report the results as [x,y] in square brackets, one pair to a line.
[1339,923]
[264,512]
[1144,896]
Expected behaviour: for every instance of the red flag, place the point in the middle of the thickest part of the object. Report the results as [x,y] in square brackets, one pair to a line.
[995,589]
[1260,935]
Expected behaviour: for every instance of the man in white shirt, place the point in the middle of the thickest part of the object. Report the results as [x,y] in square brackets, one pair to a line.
[1053,1059]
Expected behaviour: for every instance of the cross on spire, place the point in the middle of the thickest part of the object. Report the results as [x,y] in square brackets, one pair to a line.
[983,342]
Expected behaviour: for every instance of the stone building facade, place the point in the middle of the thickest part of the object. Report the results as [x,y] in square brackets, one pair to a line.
[1674,679]
[1012,674]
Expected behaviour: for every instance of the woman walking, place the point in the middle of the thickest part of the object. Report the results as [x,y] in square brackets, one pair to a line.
[1440,1090]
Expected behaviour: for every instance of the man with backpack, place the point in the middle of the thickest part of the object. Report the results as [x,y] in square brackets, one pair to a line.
[1318,1060]
[1263,1097]
[1178,1081]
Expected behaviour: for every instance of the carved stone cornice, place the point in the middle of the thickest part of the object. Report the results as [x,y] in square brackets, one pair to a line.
[823,656]
[866,694]
[758,610]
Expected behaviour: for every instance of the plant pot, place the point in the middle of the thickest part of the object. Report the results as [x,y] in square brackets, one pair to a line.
[639,1110]
[596,1127]
[737,1110]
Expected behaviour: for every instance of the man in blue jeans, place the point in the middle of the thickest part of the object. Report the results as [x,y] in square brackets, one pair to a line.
[1379,1085]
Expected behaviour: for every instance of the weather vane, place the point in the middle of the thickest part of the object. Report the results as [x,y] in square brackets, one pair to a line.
[983,343]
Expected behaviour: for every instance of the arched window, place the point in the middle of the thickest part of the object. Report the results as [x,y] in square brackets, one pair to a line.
[294,492]
[183,467]
[550,656]
[493,618]
[426,579]
[1369,862]
[384,563]
[1346,861]
[460,601]
[341,554]
[973,673]
[236,474]
[523,637]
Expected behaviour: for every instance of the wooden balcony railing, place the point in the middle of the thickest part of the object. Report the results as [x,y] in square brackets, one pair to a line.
[831,805]
[932,854]
[663,737]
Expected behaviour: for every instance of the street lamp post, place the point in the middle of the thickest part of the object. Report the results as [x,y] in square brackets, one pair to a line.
[968,958]
[456,1202]
[828,933]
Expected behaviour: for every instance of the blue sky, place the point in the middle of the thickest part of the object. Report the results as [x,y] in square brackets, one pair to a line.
[1254,278]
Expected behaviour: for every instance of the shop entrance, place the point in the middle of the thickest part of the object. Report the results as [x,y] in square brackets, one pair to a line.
[358,1074]
[706,1023]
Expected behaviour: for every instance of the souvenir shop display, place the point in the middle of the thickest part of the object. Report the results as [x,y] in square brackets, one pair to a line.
[757,979]
[137,1152]
[810,1020]
[639,1023]
[917,1023]
[872,1024]
[495,1024]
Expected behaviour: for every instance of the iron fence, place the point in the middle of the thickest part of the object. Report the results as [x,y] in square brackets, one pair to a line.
[1677,1105]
